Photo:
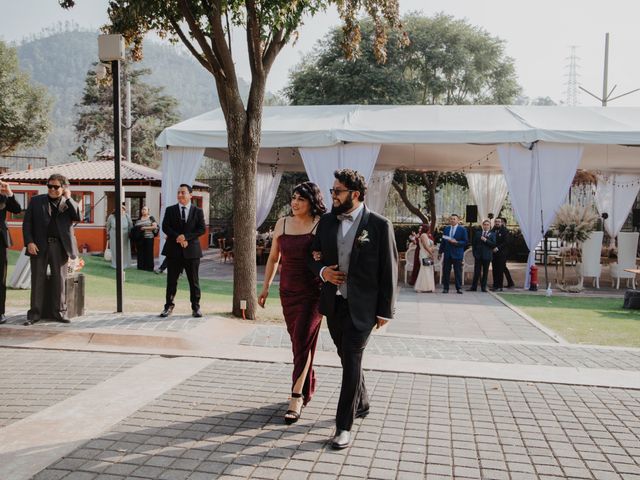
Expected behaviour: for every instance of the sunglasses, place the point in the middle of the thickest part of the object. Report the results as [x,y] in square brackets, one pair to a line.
[54,187]
[337,191]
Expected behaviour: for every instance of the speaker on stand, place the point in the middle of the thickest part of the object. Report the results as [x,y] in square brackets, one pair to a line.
[471,214]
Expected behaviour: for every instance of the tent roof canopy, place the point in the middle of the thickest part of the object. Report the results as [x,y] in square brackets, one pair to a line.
[427,137]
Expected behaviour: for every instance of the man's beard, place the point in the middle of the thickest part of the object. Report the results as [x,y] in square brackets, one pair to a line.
[343,207]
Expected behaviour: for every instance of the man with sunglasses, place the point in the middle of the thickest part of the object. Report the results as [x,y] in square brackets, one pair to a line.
[355,255]
[48,234]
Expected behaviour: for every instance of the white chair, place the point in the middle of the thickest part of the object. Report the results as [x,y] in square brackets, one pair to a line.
[408,258]
[627,248]
[590,259]
[468,263]
[437,265]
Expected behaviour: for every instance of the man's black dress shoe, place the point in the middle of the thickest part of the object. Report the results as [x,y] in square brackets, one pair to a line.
[3,319]
[484,290]
[472,289]
[63,319]
[196,313]
[511,285]
[166,312]
[445,291]
[496,289]
[341,440]
[459,291]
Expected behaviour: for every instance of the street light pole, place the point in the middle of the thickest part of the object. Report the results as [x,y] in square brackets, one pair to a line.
[111,49]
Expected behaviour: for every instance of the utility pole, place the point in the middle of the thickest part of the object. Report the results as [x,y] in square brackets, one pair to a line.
[606,97]
[571,93]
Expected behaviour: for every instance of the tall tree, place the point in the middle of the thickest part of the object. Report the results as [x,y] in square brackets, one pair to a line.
[151,112]
[448,61]
[24,106]
[204,27]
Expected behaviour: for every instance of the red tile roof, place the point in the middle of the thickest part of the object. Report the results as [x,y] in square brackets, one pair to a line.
[97,170]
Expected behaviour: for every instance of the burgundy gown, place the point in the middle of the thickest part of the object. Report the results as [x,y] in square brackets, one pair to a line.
[300,299]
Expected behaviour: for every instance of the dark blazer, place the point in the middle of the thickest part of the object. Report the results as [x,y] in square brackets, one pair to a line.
[502,241]
[373,268]
[455,252]
[173,227]
[37,218]
[7,204]
[484,250]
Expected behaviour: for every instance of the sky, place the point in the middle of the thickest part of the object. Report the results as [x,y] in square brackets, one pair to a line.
[538,36]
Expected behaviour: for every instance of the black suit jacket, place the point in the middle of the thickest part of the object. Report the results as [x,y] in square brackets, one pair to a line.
[484,250]
[502,242]
[7,204]
[373,268]
[173,226]
[37,218]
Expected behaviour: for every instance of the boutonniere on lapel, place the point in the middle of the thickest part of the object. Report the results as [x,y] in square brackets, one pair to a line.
[363,238]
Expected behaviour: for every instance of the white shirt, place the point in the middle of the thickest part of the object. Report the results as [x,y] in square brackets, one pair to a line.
[347,224]
[186,207]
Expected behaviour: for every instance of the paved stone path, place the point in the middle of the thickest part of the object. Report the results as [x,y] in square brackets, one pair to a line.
[118,321]
[275,336]
[32,380]
[225,422]
[471,315]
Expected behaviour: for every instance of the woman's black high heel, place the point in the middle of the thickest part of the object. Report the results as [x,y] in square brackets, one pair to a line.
[292,416]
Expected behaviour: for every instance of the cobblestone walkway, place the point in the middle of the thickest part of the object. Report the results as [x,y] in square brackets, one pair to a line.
[119,321]
[226,422]
[32,380]
[509,353]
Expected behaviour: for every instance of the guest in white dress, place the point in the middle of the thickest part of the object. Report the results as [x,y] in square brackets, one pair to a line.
[127,225]
[425,281]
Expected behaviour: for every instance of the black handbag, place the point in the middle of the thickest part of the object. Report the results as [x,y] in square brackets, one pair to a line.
[427,262]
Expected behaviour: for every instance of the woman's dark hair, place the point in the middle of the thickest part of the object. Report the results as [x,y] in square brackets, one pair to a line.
[353,180]
[426,228]
[312,193]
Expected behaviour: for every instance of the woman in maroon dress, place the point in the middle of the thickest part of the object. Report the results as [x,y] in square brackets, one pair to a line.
[299,288]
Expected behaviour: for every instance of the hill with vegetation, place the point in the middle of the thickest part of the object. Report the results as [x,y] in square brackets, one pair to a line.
[60,57]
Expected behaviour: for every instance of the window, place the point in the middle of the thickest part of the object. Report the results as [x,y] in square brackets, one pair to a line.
[197,201]
[85,201]
[23,198]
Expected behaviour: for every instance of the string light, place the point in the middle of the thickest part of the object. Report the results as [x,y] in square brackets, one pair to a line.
[470,166]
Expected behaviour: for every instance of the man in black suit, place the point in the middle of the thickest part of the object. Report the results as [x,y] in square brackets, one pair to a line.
[48,234]
[356,257]
[183,224]
[8,203]
[500,253]
[483,243]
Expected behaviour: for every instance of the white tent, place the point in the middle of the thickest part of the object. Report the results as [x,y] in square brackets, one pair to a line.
[537,148]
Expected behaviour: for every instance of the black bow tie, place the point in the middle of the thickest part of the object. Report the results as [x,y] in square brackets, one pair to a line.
[345,216]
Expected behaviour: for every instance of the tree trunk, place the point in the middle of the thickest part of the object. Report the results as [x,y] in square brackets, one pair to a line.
[431,182]
[243,172]
[402,191]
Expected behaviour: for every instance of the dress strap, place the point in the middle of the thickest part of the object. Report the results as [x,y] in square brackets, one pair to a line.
[284,225]
[314,227]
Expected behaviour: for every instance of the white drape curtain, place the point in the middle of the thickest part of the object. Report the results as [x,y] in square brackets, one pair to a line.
[21,276]
[538,179]
[615,195]
[378,190]
[321,162]
[179,165]
[488,189]
[267,183]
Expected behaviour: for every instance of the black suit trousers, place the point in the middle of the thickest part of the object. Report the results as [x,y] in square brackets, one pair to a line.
[350,344]
[446,272]
[56,258]
[480,273]
[175,266]
[499,263]
[4,261]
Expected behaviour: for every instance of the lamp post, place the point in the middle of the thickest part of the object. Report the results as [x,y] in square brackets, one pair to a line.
[111,49]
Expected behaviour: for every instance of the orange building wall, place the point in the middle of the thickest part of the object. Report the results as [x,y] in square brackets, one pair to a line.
[95,238]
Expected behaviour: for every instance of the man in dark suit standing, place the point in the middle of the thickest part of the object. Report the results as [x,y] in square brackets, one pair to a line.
[356,258]
[483,243]
[48,234]
[500,254]
[452,246]
[183,224]
[8,203]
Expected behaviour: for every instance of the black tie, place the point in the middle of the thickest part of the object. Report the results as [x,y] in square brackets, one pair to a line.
[184,214]
[345,216]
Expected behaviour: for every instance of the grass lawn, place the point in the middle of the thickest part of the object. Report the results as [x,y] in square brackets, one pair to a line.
[586,320]
[145,292]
